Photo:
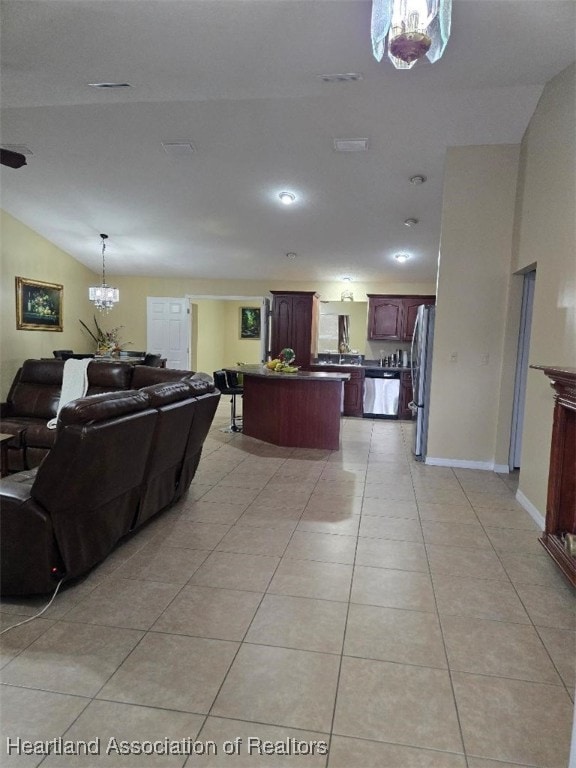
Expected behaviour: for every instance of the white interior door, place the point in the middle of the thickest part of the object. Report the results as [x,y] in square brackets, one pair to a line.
[168,330]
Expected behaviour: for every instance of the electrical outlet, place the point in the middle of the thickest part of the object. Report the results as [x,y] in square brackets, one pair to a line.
[453,357]
[485,359]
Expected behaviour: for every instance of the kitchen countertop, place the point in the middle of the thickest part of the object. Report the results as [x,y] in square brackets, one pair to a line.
[397,368]
[266,373]
[400,369]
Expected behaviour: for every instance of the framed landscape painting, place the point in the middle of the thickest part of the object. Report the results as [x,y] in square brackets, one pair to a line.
[38,305]
[250,323]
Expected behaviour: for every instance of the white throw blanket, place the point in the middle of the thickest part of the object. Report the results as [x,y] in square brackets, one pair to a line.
[74,384]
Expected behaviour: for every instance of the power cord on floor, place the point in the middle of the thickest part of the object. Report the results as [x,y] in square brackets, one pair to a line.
[31,618]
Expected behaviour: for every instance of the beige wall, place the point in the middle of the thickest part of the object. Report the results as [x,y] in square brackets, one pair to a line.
[218,343]
[545,235]
[488,241]
[25,254]
[211,335]
[472,296]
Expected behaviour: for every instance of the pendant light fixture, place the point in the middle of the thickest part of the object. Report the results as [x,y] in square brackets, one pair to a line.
[103,296]
[414,28]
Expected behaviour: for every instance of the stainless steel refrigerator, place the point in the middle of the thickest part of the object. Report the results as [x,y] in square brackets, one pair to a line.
[422,342]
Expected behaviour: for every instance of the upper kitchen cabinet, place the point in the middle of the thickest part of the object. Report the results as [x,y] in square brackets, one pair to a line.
[392,318]
[411,304]
[295,324]
[384,317]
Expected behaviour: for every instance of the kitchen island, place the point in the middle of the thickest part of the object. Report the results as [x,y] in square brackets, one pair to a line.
[296,410]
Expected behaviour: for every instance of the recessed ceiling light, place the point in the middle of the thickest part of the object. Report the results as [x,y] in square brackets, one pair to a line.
[410,222]
[417,180]
[291,255]
[341,77]
[109,85]
[287,198]
[350,145]
[402,257]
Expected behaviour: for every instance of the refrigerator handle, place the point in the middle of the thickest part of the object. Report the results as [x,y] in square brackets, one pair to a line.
[412,346]
[412,405]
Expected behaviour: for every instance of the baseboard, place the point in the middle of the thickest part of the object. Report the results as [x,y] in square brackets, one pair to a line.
[533,511]
[502,469]
[459,463]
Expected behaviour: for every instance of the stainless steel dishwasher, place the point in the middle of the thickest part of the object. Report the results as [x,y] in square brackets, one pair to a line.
[381,393]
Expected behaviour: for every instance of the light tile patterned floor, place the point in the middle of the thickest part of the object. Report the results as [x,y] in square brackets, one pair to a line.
[403,614]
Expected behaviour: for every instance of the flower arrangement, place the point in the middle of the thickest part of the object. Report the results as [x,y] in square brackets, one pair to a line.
[107,342]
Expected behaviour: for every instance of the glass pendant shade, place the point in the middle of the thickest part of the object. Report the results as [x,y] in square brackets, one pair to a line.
[415,28]
[103,296]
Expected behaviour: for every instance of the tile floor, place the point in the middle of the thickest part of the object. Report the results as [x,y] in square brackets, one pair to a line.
[403,614]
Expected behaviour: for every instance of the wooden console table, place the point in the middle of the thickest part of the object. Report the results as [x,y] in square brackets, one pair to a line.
[561,501]
[297,410]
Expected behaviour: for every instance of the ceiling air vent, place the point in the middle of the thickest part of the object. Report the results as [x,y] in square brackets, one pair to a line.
[350,145]
[346,77]
[178,148]
[110,85]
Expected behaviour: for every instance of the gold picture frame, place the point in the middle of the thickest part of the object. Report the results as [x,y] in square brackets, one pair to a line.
[38,305]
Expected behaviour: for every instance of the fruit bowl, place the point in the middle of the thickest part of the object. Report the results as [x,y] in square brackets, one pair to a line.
[278,366]
[283,363]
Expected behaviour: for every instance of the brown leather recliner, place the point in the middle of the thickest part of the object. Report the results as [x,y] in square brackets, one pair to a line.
[118,459]
[35,394]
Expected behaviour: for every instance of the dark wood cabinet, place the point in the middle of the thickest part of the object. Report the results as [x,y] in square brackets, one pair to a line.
[384,317]
[405,397]
[354,394]
[559,537]
[353,404]
[411,304]
[392,318]
[293,411]
[295,324]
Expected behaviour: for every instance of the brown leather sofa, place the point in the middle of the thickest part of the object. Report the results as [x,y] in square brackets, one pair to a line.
[118,458]
[35,393]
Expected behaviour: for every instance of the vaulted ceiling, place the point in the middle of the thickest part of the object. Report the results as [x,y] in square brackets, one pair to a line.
[238,79]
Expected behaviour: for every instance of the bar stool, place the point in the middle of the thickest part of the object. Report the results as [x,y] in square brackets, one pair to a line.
[228,384]
[153,360]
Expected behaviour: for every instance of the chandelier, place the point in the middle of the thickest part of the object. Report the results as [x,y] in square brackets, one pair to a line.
[103,296]
[415,28]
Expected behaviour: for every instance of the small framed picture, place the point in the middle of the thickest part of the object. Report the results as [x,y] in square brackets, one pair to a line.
[38,305]
[250,323]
